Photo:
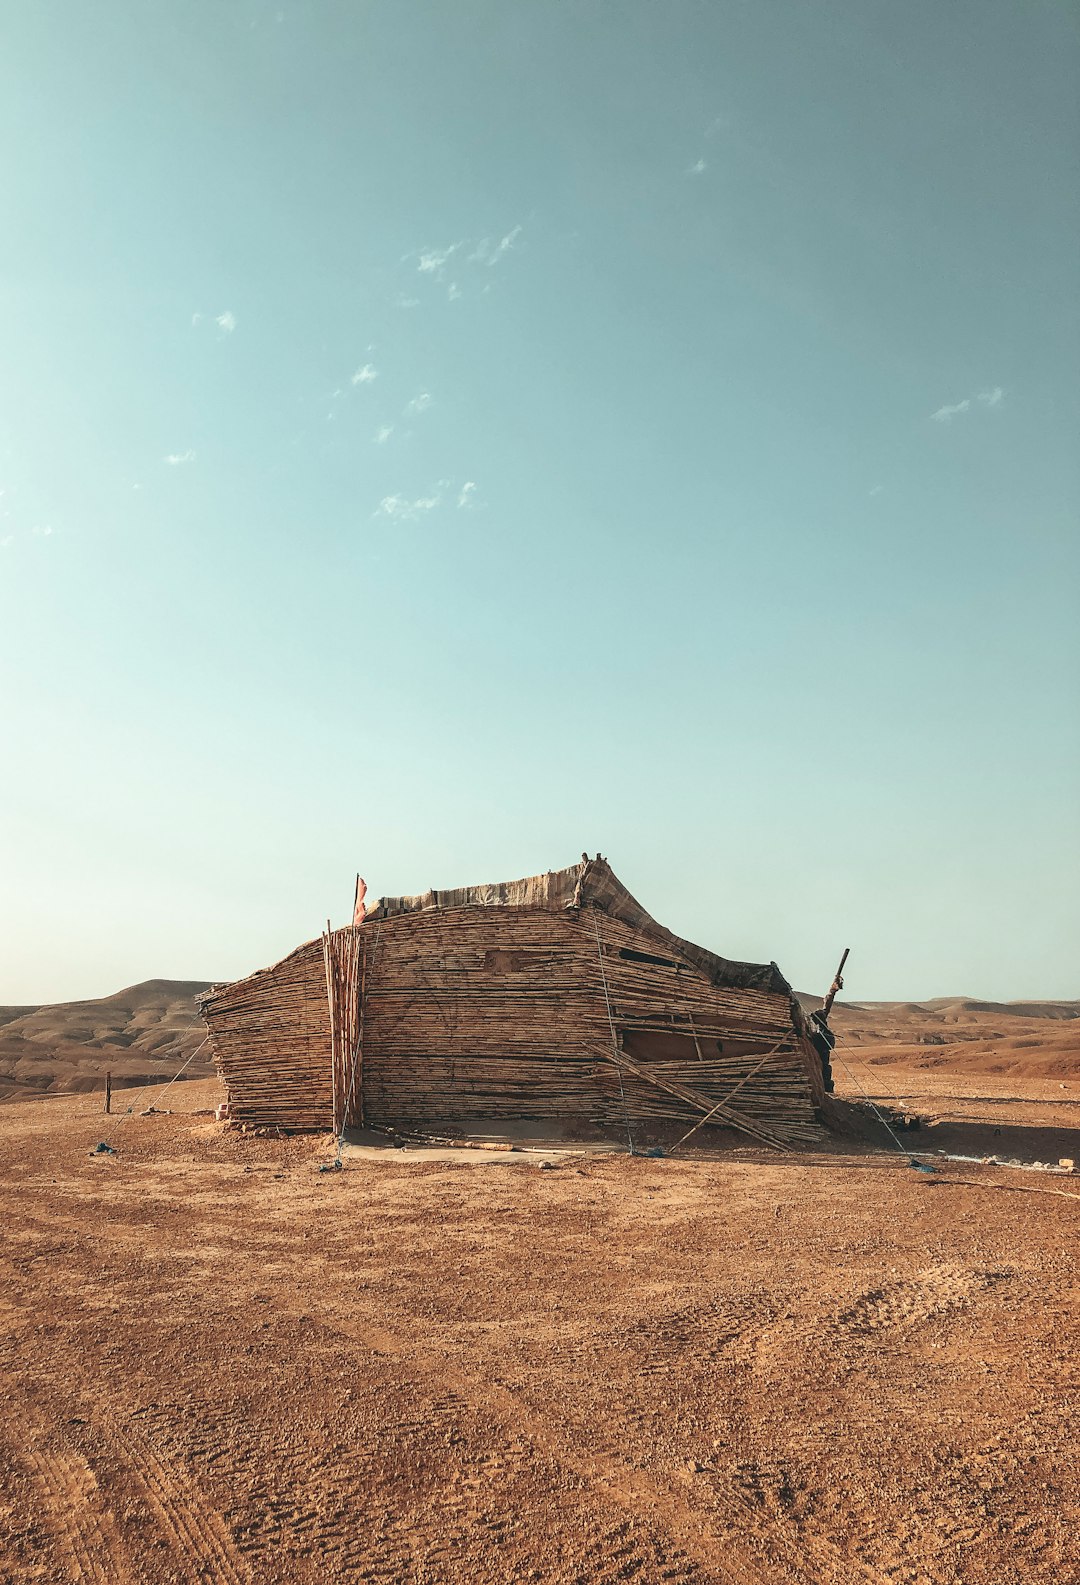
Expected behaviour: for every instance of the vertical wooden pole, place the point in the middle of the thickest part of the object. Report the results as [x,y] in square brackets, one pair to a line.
[108,1092]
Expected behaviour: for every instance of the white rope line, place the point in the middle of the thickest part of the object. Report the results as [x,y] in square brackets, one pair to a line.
[188,1063]
[151,1082]
[614,1038]
[910,1154]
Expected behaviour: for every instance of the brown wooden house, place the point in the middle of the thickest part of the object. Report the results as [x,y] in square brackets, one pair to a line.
[554,997]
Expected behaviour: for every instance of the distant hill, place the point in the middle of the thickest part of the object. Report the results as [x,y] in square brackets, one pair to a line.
[1027,1039]
[145,1031]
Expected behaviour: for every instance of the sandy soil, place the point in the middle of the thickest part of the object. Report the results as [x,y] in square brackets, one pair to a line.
[222,1365]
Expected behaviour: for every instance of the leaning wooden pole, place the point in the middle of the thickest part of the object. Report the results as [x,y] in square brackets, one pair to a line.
[836,986]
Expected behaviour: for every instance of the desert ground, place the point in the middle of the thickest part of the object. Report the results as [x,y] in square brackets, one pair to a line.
[728,1366]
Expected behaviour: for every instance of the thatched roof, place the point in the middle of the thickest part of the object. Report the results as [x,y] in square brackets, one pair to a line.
[592,883]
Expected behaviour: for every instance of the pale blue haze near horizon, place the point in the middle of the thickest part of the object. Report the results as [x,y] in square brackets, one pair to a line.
[440,439]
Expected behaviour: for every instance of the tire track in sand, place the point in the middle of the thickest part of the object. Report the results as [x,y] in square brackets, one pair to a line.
[193,1525]
[71,1503]
[719,1550]
[73,1510]
[909,1302]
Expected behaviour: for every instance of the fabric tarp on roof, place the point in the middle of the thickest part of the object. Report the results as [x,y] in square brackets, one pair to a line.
[592,883]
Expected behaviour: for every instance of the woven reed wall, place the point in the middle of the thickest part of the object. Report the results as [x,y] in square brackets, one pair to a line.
[270,1035]
[478,1012]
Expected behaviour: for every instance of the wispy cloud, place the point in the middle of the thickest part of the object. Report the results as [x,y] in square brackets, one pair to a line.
[506,244]
[466,493]
[8,539]
[946,414]
[365,375]
[225,321]
[877,489]
[698,168]
[991,398]
[176,459]
[435,260]
[42,530]
[489,252]
[419,404]
[382,434]
[399,509]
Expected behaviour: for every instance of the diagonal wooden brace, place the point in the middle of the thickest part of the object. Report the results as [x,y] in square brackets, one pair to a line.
[701,1103]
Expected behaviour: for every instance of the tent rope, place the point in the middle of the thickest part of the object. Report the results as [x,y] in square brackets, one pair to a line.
[187,1064]
[912,1159]
[614,1039]
[149,1085]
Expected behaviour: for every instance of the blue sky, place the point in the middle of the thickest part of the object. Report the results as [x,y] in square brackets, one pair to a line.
[438,439]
